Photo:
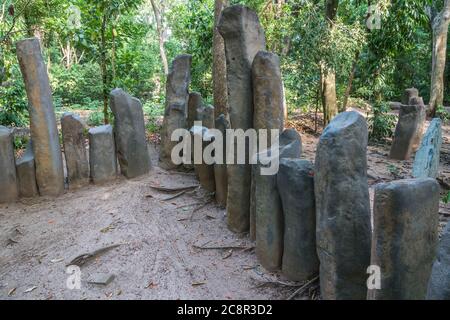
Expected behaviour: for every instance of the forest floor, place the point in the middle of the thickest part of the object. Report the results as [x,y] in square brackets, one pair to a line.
[169,248]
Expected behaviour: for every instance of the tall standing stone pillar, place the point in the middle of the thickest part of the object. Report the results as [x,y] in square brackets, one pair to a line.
[177,98]
[343,208]
[439,284]
[129,132]
[8,180]
[220,170]
[74,140]
[295,183]
[244,38]
[26,173]
[44,133]
[405,238]
[268,99]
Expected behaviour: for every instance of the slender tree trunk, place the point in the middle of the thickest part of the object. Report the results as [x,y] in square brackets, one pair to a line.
[328,76]
[440,31]
[220,90]
[104,69]
[350,83]
[160,29]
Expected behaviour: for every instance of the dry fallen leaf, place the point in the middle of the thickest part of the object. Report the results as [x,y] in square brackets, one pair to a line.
[197,284]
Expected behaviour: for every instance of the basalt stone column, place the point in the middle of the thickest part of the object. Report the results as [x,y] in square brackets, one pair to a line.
[406,132]
[268,224]
[8,179]
[244,38]
[102,154]
[439,284]
[220,170]
[195,103]
[268,108]
[426,163]
[129,133]
[26,173]
[177,98]
[406,218]
[295,183]
[408,94]
[290,146]
[418,101]
[343,208]
[74,140]
[44,133]
[204,171]
[267,92]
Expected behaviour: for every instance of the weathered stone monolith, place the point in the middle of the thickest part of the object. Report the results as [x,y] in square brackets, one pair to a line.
[290,146]
[295,183]
[343,208]
[417,139]
[195,103]
[8,179]
[177,98]
[204,171]
[26,173]
[268,222]
[102,154]
[44,133]
[439,284]
[426,163]
[205,114]
[268,93]
[129,134]
[406,132]
[220,170]
[74,141]
[408,94]
[244,38]
[406,218]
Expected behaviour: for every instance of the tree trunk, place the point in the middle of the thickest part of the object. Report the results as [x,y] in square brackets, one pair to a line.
[350,83]
[160,29]
[440,31]
[220,90]
[328,76]
[104,69]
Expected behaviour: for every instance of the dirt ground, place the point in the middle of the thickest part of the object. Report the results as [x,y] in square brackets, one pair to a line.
[168,250]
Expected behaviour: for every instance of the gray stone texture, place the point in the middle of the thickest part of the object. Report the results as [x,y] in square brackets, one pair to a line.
[295,183]
[439,284]
[343,208]
[290,146]
[406,131]
[244,38]
[426,163]
[195,103]
[406,218]
[102,154]
[44,133]
[130,134]
[26,173]
[74,141]
[268,224]
[8,179]
[408,94]
[220,170]
[177,98]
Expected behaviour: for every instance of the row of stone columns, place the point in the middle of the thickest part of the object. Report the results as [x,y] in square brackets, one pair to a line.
[40,170]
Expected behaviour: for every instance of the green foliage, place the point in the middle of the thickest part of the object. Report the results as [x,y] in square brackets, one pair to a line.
[381,122]
[13,102]
[20,143]
[442,113]
[446,198]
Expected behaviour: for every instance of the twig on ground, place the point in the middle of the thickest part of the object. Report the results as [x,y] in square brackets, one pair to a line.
[303,288]
[231,247]
[175,189]
[83,258]
[175,196]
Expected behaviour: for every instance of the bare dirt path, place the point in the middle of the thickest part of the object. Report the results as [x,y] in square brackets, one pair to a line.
[159,256]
